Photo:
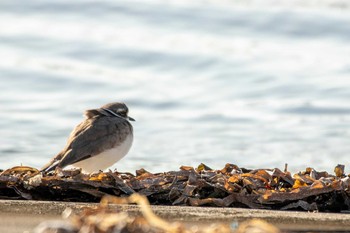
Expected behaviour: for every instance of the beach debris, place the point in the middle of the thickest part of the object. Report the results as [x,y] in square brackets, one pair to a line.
[231,186]
[102,219]
[257,226]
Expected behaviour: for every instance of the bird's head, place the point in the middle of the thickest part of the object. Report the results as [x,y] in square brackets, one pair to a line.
[115,109]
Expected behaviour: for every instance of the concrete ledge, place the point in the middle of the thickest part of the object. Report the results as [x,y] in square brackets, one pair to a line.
[20,216]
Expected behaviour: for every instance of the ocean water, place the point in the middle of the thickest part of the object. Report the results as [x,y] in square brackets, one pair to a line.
[254,83]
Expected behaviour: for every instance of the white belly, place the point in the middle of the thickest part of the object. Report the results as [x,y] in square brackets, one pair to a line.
[106,158]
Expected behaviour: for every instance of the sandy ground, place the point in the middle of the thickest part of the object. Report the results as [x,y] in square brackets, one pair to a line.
[23,216]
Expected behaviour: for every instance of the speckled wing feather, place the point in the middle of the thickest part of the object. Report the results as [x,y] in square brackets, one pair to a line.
[88,139]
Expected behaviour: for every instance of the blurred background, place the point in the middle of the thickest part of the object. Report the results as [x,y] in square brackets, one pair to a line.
[254,83]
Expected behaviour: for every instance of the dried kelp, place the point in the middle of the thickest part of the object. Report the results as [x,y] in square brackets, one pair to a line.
[104,220]
[231,186]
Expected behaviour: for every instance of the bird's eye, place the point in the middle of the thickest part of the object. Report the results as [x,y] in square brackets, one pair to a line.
[123,114]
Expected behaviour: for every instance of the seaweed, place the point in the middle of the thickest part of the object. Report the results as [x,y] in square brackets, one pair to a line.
[102,219]
[230,186]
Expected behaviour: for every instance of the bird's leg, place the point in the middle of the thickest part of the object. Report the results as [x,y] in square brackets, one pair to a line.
[59,171]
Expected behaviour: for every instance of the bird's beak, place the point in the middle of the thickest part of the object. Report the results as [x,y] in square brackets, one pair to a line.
[130,119]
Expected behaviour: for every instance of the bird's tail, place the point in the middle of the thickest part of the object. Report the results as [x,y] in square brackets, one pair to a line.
[52,165]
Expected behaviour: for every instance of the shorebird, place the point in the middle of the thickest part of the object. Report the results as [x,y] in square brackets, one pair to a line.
[102,139]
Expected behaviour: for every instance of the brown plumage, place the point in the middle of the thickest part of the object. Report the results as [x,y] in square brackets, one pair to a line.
[106,129]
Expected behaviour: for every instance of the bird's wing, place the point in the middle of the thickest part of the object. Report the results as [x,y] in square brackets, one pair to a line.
[83,126]
[89,138]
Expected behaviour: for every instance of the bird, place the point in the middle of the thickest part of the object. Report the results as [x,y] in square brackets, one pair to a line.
[104,137]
